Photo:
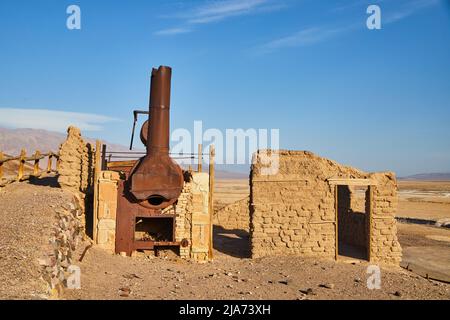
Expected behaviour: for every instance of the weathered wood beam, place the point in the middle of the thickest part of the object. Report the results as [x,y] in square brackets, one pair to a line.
[351,182]
[212,154]
[36,163]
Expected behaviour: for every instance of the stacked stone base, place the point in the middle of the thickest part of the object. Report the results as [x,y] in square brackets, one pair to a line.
[67,232]
[192,221]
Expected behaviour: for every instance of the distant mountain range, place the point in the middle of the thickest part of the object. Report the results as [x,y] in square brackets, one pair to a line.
[13,140]
[428,176]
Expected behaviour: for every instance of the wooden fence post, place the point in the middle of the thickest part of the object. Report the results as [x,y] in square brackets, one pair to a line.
[336,226]
[37,155]
[212,154]
[23,154]
[104,160]
[49,164]
[97,170]
[200,157]
[58,163]
[1,165]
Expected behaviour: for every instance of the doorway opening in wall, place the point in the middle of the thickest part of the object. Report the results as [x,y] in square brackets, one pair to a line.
[353,221]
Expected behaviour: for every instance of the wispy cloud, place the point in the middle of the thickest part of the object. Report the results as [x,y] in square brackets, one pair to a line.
[219,10]
[409,9]
[348,5]
[303,37]
[51,119]
[172,31]
[316,34]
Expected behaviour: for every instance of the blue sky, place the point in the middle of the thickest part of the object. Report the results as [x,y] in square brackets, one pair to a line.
[374,99]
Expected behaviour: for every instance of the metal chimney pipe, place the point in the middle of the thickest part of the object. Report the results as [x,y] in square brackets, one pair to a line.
[159,118]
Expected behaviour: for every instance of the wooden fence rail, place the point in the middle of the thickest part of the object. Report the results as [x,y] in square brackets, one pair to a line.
[23,159]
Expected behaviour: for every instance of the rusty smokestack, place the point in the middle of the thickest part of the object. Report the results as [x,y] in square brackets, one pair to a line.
[156,181]
[159,128]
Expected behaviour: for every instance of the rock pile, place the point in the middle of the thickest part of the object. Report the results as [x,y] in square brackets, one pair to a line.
[66,234]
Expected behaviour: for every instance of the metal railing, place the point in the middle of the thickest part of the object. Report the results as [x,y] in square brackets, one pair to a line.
[112,156]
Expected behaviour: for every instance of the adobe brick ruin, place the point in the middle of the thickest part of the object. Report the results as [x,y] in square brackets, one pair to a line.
[76,174]
[310,206]
[75,162]
[234,216]
[305,209]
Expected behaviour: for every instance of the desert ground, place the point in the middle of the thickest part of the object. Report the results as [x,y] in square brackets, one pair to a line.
[422,207]
[232,274]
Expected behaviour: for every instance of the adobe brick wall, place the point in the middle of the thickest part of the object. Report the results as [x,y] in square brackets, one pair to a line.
[384,243]
[107,209]
[183,220]
[234,216]
[292,212]
[76,168]
[200,233]
[75,162]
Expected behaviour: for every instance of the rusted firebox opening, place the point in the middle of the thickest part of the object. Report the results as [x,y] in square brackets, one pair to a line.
[155,229]
[353,221]
[156,200]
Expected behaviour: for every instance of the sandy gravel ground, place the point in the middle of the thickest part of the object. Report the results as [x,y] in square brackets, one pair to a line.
[233,276]
[26,213]
[26,218]
[426,250]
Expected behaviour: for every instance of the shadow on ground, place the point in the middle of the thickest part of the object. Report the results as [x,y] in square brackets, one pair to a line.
[48,181]
[235,243]
[351,251]
[52,182]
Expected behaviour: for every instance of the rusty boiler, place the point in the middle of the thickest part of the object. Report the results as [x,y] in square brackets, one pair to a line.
[153,183]
[156,180]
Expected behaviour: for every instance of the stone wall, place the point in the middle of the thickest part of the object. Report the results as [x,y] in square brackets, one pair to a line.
[75,162]
[106,210]
[292,211]
[384,243]
[76,169]
[183,221]
[67,233]
[234,216]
